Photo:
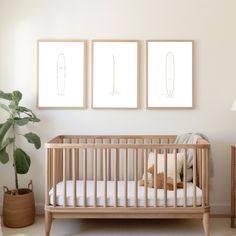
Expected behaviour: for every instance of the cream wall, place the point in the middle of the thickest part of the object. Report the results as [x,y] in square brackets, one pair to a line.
[211,23]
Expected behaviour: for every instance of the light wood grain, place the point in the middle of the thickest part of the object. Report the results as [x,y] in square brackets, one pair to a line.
[135,178]
[125,177]
[145,178]
[185,177]
[54,176]
[105,177]
[194,178]
[64,177]
[85,175]
[155,178]
[116,178]
[118,159]
[74,177]
[233,162]
[165,178]
[175,178]
[95,176]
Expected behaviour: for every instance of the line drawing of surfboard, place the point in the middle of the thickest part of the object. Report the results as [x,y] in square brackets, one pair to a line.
[170,74]
[114,79]
[61,74]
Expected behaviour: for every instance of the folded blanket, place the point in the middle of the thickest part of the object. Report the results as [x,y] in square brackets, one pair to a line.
[189,138]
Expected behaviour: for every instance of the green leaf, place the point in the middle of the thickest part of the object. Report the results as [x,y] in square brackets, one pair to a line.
[6,96]
[16,96]
[4,157]
[21,121]
[4,128]
[5,107]
[6,142]
[34,119]
[23,109]
[22,161]
[28,112]
[33,138]
[13,106]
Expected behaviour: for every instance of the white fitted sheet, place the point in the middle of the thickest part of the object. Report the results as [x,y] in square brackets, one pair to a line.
[121,197]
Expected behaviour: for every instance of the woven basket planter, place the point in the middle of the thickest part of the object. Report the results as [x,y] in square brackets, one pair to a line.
[18,209]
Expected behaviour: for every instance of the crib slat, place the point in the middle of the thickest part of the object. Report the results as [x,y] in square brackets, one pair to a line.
[95,175]
[116,177]
[155,179]
[175,178]
[185,177]
[54,176]
[118,163]
[92,141]
[101,162]
[85,175]
[50,162]
[105,177]
[199,162]
[133,166]
[125,177]
[74,177]
[145,178]
[152,142]
[203,178]
[207,177]
[165,177]
[70,161]
[64,177]
[136,177]
[109,161]
[142,158]
[59,164]
[194,177]
[161,150]
[77,163]
[47,175]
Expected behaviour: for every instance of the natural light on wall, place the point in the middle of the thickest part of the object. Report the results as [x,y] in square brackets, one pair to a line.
[233,108]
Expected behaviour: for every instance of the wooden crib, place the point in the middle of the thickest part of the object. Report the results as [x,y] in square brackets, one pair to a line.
[89,176]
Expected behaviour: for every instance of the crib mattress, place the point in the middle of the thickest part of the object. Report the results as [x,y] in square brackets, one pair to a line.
[121,195]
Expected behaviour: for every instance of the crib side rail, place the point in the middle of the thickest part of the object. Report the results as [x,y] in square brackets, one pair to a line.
[123,162]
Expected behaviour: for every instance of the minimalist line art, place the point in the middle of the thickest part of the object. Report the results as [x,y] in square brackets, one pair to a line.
[170,74]
[61,74]
[114,90]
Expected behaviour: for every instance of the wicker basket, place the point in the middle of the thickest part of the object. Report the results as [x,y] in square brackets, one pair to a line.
[18,209]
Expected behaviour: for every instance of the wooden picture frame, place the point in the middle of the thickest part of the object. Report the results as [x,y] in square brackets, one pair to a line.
[115,83]
[62,73]
[169,74]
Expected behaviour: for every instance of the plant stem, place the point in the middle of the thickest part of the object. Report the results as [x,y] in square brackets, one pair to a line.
[14,163]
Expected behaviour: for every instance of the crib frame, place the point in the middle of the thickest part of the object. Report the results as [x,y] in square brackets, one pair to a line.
[67,155]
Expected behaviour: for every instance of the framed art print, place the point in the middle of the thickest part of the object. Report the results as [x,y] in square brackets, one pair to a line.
[115,74]
[169,74]
[61,73]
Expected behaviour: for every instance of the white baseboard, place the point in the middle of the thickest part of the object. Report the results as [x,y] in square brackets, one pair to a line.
[219,209]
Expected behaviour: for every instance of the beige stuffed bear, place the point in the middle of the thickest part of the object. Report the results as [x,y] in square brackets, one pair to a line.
[160,181]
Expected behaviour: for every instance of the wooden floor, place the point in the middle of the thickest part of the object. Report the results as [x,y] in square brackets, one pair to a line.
[219,227]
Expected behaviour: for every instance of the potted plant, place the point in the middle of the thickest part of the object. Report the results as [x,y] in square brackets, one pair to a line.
[18,203]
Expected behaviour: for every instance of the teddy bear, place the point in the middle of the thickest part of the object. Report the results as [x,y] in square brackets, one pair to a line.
[160,180]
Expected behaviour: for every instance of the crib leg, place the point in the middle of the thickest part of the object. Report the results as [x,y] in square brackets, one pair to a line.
[205,222]
[48,223]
